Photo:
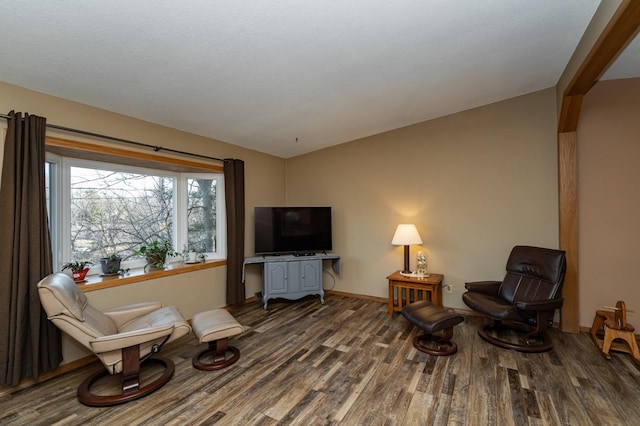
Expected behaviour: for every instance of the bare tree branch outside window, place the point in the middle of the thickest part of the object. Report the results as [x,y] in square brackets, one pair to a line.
[115,212]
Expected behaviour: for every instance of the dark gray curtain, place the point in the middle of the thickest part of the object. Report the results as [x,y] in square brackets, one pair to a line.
[29,343]
[234,197]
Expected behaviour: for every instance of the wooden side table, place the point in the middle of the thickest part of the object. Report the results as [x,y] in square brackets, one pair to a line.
[404,290]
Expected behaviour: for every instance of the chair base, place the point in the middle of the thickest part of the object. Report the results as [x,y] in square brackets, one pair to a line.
[130,392]
[535,342]
[219,349]
[435,345]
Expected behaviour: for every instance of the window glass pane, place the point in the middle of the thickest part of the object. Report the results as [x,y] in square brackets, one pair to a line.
[201,215]
[113,211]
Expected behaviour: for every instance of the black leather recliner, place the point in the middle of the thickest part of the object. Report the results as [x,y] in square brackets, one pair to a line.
[525,300]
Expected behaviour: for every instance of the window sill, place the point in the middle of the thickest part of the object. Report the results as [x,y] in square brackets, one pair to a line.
[96,282]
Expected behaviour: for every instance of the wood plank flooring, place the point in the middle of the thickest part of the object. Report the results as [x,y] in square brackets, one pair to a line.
[349,363]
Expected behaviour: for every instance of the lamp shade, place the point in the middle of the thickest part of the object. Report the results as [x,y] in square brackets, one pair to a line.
[406,234]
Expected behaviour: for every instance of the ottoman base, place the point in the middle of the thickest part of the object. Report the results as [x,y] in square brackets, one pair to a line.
[435,345]
[431,319]
[215,327]
[223,356]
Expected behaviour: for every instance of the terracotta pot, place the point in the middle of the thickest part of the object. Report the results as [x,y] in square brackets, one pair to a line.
[79,276]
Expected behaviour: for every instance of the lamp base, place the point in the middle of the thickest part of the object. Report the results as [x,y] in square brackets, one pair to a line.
[406,269]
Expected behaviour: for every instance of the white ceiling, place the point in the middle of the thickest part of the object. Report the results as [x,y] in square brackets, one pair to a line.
[287,77]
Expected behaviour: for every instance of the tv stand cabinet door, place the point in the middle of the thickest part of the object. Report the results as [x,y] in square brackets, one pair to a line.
[276,276]
[311,276]
[281,279]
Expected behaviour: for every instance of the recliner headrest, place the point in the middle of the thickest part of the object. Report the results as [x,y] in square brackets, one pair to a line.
[60,295]
[547,264]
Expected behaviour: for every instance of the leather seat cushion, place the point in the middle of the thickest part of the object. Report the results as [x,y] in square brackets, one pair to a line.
[491,306]
[215,324]
[429,317]
[160,317]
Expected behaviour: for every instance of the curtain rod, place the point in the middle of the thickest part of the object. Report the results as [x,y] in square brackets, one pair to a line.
[113,138]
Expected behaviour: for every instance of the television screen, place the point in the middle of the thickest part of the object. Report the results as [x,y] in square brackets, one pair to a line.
[298,230]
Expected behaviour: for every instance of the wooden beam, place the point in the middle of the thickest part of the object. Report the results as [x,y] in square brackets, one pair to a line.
[568,211]
[570,113]
[618,33]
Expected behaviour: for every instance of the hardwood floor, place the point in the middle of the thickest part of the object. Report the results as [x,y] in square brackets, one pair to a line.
[349,363]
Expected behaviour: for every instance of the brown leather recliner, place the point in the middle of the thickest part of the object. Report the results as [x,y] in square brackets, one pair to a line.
[122,338]
[526,299]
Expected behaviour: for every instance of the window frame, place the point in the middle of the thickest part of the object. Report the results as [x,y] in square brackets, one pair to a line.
[65,154]
[55,220]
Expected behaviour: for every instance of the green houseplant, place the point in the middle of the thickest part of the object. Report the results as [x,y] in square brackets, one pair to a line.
[78,269]
[156,252]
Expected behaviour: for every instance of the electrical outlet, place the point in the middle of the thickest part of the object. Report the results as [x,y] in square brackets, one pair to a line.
[449,288]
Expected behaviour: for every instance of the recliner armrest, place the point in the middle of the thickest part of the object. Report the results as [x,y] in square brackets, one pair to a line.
[123,314]
[540,305]
[130,338]
[485,287]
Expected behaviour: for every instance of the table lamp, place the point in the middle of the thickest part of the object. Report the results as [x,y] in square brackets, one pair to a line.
[406,234]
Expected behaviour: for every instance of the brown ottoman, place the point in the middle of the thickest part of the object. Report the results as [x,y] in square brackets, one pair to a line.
[215,327]
[431,319]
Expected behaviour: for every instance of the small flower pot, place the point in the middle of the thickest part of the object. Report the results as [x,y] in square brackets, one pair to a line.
[156,261]
[79,276]
[110,266]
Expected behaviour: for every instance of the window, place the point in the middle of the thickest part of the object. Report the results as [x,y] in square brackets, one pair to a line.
[201,213]
[107,208]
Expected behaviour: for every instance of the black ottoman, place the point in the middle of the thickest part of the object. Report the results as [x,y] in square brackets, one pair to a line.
[430,319]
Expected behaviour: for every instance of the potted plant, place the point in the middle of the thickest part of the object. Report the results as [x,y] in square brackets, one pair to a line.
[156,253]
[192,255]
[111,264]
[78,269]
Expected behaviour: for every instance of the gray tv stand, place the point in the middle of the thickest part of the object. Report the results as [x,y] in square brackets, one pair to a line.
[292,277]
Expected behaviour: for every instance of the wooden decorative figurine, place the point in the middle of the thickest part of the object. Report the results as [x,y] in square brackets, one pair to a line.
[615,327]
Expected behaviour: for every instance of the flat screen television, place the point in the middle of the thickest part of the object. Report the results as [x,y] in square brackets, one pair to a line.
[297,230]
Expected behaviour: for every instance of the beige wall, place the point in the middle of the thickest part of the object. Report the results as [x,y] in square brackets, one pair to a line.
[191,292]
[475,184]
[608,197]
